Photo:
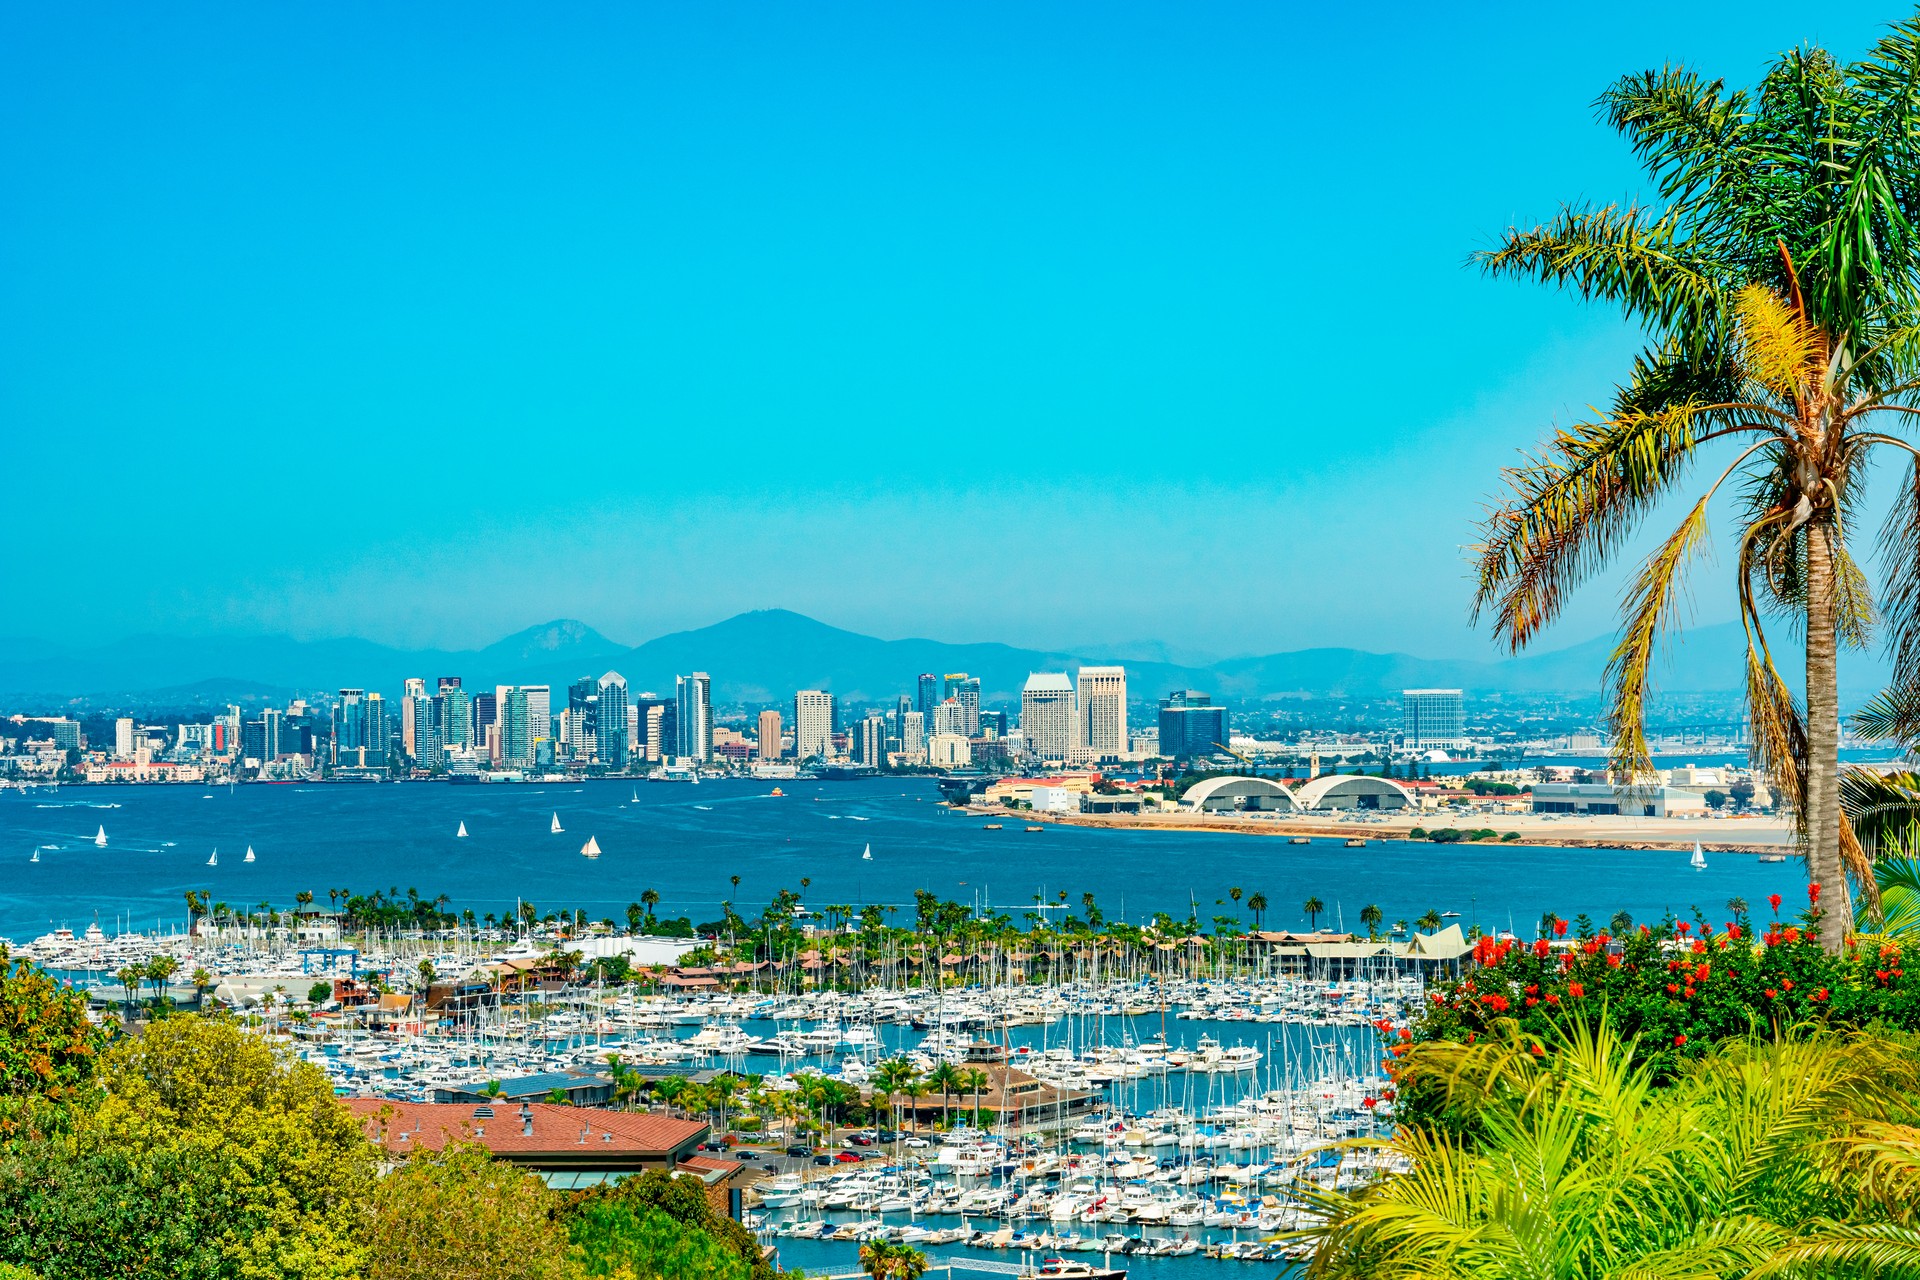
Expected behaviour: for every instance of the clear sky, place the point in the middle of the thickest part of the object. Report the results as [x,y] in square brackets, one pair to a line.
[1046,323]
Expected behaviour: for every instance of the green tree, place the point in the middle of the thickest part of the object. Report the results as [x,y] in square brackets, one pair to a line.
[1370,918]
[885,1261]
[48,1047]
[320,993]
[1431,921]
[655,1226]
[1257,903]
[1312,908]
[160,970]
[1780,288]
[459,1212]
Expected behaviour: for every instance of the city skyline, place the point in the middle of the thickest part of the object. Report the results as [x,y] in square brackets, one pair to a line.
[259,263]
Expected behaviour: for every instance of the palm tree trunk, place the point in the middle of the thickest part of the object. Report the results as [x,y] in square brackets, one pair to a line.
[1822,813]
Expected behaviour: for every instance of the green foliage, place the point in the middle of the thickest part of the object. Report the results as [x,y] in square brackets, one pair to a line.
[48,1048]
[647,1243]
[604,1220]
[320,993]
[459,1213]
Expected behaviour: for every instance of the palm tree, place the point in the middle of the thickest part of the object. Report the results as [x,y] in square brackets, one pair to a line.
[1430,921]
[1780,286]
[1257,903]
[1738,1168]
[884,1261]
[975,1081]
[1312,908]
[649,899]
[1234,893]
[159,970]
[1621,923]
[202,982]
[946,1078]
[130,977]
[1371,916]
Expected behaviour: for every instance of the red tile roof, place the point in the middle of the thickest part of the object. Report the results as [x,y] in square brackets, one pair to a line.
[407,1126]
[707,1165]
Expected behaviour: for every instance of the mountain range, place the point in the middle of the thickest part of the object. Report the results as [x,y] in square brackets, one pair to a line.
[763,656]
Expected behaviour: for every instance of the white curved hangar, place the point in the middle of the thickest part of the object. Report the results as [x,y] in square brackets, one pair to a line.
[1351,791]
[1240,793]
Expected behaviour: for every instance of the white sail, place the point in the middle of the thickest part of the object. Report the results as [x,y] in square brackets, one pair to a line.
[867,855]
[461,834]
[591,849]
[249,857]
[1699,856]
[636,795]
[556,828]
[213,859]
[101,838]
[35,857]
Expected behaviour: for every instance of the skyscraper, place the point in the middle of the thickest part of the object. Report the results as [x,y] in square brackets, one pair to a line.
[539,716]
[1190,725]
[1432,718]
[349,721]
[813,716]
[693,715]
[1049,720]
[965,689]
[913,733]
[376,734]
[610,721]
[583,699]
[516,727]
[870,742]
[413,702]
[769,735]
[453,714]
[928,697]
[1103,712]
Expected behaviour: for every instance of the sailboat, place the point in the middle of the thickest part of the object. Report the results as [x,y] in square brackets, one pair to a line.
[591,849]
[101,838]
[249,857]
[636,795]
[867,854]
[556,828]
[461,834]
[35,857]
[213,859]
[1699,859]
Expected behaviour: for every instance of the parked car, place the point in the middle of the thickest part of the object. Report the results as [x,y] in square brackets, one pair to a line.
[826,1159]
[848,1157]
[799,1149]
[918,1143]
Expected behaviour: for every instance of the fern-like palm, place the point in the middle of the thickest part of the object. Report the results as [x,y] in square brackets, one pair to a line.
[1780,284]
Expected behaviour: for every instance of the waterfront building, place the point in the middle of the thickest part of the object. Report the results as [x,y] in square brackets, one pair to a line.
[949,751]
[349,723]
[965,690]
[376,734]
[1103,712]
[517,727]
[1190,725]
[769,735]
[814,717]
[610,721]
[1616,798]
[539,715]
[654,727]
[913,733]
[927,696]
[693,715]
[870,742]
[453,715]
[1432,718]
[123,737]
[413,701]
[1048,717]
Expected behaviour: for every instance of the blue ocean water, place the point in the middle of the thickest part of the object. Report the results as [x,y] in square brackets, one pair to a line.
[687,842]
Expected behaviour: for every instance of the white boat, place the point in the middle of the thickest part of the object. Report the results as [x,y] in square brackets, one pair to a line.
[556,828]
[1699,859]
[867,854]
[101,838]
[213,859]
[636,795]
[591,849]
[249,857]
[35,857]
[461,834]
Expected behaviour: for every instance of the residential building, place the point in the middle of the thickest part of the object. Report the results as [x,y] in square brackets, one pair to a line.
[123,737]
[870,742]
[950,717]
[1048,717]
[583,729]
[927,696]
[949,751]
[913,733]
[539,716]
[693,715]
[814,715]
[610,721]
[414,716]
[1103,712]
[517,727]
[769,735]
[965,690]
[453,715]
[1191,726]
[1432,718]
[349,722]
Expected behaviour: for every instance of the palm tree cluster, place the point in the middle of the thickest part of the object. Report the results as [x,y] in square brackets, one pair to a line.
[1778,279]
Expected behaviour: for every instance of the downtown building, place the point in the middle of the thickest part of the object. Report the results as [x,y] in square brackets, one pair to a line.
[1049,716]
[1103,713]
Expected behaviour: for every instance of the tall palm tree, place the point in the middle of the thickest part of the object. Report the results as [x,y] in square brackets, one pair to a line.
[1312,908]
[976,1080]
[1430,921]
[946,1078]
[1780,287]
[159,971]
[1371,916]
[130,976]
[1257,903]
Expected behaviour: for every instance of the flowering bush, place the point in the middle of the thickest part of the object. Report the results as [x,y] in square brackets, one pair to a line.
[1677,988]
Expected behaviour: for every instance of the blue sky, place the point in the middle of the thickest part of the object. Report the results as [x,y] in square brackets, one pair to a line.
[1051,324]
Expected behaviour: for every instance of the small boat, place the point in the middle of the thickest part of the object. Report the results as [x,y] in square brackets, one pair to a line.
[35,857]
[249,857]
[1449,915]
[1299,840]
[100,838]
[776,792]
[704,808]
[867,854]
[1772,857]
[591,849]
[461,834]
[1699,860]
[213,859]
[989,826]
[636,796]
[1036,828]
[556,828]
[1357,842]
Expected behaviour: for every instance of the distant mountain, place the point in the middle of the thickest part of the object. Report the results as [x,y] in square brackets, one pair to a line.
[764,656]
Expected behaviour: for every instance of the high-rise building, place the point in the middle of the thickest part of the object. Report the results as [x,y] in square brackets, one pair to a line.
[949,717]
[913,733]
[693,715]
[652,726]
[486,714]
[813,720]
[769,735]
[610,721]
[1432,718]
[1190,725]
[927,697]
[965,689]
[273,732]
[412,703]
[870,742]
[1103,712]
[349,722]
[539,716]
[453,715]
[376,734]
[517,727]
[1048,717]
[123,737]
[583,700]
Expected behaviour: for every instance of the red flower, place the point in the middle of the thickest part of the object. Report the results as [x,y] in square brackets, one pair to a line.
[1678,1041]
[1888,951]
[1792,934]
[1699,946]
[1673,988]
[1773,900]
[1532,1001]
[1813,895]
[1559,928]
[1552,998]
[1682,926]
[1405,1034]
[1733,931]
[1575,990]
[1538,1052]
[1771,937]
[1533,988]
[1881,974]
[1787,984]
[1688,993]
[1541,947]
[1821,994]
[1613,961]
[1704,972]
[1772,994]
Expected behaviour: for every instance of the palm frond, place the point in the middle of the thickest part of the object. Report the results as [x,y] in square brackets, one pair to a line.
[1783,352]
[1628,256]
[1900,599]
[1648,603]
[1892,715]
